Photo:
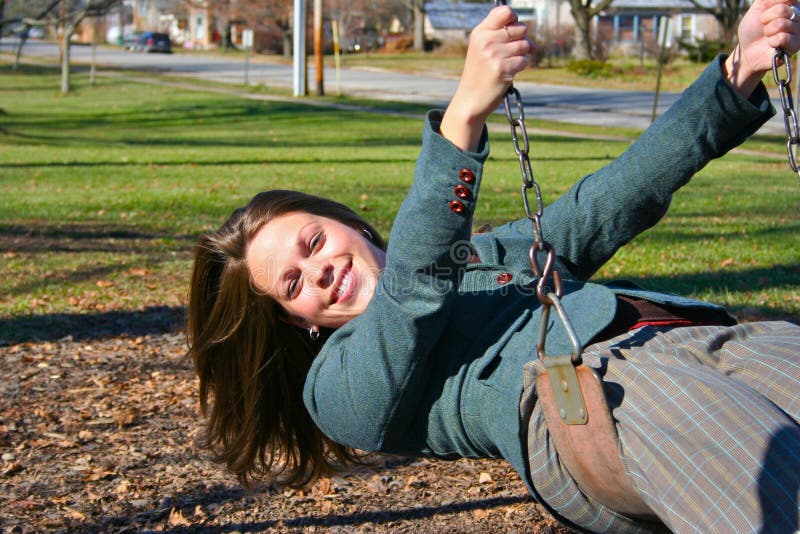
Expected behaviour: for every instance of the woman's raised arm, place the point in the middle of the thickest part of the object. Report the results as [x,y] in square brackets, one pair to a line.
[498,49]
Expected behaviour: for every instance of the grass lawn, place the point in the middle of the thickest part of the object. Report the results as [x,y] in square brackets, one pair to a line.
[104,191]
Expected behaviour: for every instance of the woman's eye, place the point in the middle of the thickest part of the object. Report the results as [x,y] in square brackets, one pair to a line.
[315,242]
[292,289]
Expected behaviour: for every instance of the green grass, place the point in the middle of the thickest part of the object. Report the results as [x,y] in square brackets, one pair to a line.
[104,191]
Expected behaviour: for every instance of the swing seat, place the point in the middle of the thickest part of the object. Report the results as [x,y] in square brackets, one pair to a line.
[585,436]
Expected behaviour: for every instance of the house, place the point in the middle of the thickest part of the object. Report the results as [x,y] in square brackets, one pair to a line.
[627,23]
[630,21]
[453,21]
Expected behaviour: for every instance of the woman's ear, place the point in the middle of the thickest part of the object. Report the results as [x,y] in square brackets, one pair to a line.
[294,321]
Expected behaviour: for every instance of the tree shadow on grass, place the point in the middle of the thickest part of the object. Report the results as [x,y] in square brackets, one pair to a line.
[92,326]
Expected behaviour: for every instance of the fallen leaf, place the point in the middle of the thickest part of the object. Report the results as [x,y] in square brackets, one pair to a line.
[480,514]
[176,519]
[324,485]
[484,478]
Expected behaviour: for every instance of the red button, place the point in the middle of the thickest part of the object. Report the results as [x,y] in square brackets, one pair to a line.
[504,278]
[467,176]
[457,207]
[461,191]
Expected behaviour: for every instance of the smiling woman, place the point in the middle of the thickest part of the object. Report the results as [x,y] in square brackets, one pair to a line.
[316,341]
[247,282]
[321,271]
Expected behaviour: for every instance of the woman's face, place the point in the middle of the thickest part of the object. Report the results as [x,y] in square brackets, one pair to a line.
[322,272]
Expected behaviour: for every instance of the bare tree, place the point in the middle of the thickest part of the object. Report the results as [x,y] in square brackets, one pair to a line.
[417,7]
[2,15]
[71,16]
[728,13]
[278,14]
[583,11]
[34,13]
[355,15]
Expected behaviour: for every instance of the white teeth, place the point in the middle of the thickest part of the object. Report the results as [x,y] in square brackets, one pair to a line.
[345,284]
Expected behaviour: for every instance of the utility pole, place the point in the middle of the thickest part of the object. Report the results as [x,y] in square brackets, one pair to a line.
[318,46]
[299,35]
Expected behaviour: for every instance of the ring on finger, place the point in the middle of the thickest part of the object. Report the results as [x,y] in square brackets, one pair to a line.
[795,13]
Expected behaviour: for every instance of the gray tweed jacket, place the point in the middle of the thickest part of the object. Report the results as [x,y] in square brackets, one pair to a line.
[433,366]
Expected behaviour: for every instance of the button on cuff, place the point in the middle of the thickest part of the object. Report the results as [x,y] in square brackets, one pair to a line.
[457,207]
[466,176]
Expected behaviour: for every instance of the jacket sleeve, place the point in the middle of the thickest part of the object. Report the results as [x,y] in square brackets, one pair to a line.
[607,209]
[363,388]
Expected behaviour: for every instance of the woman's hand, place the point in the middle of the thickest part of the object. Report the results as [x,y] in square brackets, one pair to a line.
[498,49]
[765,27]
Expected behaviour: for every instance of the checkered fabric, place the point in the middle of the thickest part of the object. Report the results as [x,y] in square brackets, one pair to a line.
[707,418]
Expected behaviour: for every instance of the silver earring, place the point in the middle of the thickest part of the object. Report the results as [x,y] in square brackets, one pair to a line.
[313,333]
[367,233]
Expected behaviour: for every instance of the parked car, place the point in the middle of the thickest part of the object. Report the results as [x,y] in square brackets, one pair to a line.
[37,32]
[153,42]
[130,39]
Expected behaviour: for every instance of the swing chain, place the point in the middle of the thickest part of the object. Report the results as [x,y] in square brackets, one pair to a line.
[519,131]
[787,104]
[549,297]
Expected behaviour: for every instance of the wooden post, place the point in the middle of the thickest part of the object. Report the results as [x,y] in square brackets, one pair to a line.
[318,46]
[660,67]
[337,56]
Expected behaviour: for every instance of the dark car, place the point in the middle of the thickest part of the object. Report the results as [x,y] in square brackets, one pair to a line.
[153,42]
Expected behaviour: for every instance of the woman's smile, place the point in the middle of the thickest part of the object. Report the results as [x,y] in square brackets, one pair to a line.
[321,271]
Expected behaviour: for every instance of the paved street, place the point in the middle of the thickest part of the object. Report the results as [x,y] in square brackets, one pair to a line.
[562,103]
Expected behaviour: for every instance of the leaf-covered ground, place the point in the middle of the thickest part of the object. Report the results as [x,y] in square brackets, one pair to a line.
[99,435]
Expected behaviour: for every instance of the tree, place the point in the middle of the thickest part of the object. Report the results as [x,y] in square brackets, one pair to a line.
[278,14]
[29,14]
[355,15]
[583,11]
[728,13]
[71,16]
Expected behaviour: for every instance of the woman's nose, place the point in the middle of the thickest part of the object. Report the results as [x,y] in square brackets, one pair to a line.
[320,275]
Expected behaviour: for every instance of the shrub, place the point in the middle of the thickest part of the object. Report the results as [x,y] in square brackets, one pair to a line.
[701,51]
[591,68]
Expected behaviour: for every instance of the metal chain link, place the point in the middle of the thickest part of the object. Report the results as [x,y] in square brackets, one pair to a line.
[549,297]
[787,104]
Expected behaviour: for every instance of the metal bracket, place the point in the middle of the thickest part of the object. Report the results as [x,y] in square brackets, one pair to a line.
[566,389]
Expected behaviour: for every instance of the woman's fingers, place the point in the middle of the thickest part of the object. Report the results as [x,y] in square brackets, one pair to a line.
[498,17]
[779,28]
[513,32]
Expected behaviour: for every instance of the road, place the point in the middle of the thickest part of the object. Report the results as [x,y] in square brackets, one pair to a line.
[578,105]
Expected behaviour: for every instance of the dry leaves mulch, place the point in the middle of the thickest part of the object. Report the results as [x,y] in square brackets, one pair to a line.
[99,436]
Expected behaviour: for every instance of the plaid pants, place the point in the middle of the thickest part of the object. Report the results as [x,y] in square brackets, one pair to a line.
[708,419]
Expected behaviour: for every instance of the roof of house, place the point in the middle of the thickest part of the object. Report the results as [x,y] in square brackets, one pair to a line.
[456,16]
[683,5]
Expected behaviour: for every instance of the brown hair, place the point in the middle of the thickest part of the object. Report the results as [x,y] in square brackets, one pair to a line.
[253,364]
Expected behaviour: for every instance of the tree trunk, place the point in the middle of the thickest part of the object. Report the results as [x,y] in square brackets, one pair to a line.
[419,26]
[583,39]
[287,44]
[2,14]
[20,44]
[66,38]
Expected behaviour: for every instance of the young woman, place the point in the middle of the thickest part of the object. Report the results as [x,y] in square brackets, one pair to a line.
[313,340]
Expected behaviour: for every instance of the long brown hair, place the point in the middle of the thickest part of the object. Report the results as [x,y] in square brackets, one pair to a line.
[250,362]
